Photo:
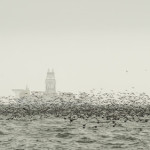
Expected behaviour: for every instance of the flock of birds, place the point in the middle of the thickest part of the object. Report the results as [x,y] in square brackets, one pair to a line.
[101,108]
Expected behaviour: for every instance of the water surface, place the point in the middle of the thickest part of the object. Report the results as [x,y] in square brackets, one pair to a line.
[58,134]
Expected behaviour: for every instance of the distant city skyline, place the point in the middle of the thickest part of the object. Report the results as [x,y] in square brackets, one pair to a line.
[90,44]
[50,87]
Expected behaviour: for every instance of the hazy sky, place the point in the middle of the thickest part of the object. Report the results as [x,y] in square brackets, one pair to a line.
[89,43]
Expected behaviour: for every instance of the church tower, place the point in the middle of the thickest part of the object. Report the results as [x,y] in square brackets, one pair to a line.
[50,83]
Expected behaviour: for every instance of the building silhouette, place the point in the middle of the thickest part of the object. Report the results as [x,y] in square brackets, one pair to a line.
[50,83]
[50,87]
[21,92]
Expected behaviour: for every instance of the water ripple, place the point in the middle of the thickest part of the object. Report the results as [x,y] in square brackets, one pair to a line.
[56,133]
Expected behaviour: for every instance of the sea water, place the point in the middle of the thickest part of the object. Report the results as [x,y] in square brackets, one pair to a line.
[59,134]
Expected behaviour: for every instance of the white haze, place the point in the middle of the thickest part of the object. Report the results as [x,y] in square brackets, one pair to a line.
[89,43]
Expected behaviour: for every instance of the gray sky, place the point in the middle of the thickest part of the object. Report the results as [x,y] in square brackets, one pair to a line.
[89,43]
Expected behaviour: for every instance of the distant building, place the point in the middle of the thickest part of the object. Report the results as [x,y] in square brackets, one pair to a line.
[21,92]
[50,83]
[50,87]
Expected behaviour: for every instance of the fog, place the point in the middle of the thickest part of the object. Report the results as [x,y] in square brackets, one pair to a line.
[89,44]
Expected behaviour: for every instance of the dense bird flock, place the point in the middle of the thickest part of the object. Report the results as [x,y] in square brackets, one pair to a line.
[100,107]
